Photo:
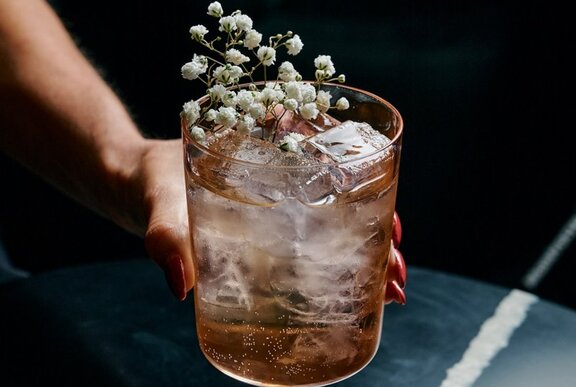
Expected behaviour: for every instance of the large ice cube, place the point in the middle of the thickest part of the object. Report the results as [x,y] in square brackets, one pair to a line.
[347,141]
[353,149]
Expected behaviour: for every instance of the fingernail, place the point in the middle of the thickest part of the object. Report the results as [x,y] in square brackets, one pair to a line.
[395,293]
[396,230]
[400,268]
[174,272]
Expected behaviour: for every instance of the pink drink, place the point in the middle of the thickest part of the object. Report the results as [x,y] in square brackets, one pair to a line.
[291,250]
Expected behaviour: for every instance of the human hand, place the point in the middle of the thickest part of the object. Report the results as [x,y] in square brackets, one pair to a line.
[160,179]
[396,272]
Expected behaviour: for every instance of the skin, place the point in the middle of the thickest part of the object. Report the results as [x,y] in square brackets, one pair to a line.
[61,120]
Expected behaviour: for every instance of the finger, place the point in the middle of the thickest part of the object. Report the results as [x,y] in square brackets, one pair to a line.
[168,245]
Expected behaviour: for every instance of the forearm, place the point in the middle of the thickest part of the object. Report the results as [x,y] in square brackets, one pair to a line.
[57,116]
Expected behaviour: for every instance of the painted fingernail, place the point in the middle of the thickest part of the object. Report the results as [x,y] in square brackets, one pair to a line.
[174,272]
[396,230]
[395,293]
[400,268]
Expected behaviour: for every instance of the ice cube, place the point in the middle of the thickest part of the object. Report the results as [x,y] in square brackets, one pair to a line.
[291,122]
[347,141]
[352,147]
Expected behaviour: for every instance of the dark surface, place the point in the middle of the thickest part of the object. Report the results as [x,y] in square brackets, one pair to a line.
[488,162]
[116,325]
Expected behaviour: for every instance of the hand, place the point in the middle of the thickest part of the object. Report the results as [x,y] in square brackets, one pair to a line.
[160,178]
[396,272]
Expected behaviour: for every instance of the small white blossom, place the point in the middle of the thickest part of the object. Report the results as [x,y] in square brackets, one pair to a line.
[266,55]
[197,32]
[196,67]
[341,78]
[291,104]
[227,24]
[308,92]
[215,9]
[296,136]
[294,45]
[252,39]
[226,117]
[270,95]
[245,99]
[323,100]
[324,64]
[243,22]
[342,104]
[235,56]
[217,92]
[309,111]
[191,111]
[257,110]
[293,90]
[230,99]
[246,124]
[287,72]
[210,115]
[227,74]
[291,145]
[197,133]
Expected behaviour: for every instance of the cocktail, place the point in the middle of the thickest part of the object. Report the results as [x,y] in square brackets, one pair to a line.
[290,214]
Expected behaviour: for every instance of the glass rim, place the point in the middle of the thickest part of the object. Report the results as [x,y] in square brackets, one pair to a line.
[251,164]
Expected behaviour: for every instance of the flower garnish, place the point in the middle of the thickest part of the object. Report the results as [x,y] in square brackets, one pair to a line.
[234,59]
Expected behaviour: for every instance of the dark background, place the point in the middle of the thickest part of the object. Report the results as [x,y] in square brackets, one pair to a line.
[485,89]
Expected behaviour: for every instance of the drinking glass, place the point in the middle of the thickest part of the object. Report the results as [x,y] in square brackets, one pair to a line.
[291,254]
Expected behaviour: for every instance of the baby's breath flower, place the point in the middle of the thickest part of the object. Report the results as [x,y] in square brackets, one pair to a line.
[243,22]
[191,111]
[290,104]
[210,115]
[341,78]
[290,145]
[287,72]
[245,109]
[235,56]
[246,124]
[227,74]
[226,117]
[257,110]
[198,32]
[215,9]
[245,99]
[293,90]
[323,100]
[292,142]
[324,64]
[252,39]
[217,92]
[196,67]
[342,104]
[266,55]
[270,95]
[309,111]
[308,92]
[227,24]
[197,133]
[230,99]
[294,45]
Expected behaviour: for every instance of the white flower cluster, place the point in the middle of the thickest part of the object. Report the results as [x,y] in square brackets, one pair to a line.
[247,108]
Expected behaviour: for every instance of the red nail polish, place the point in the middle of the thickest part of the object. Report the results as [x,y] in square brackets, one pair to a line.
[395,293]
[400,268]
[174,272]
